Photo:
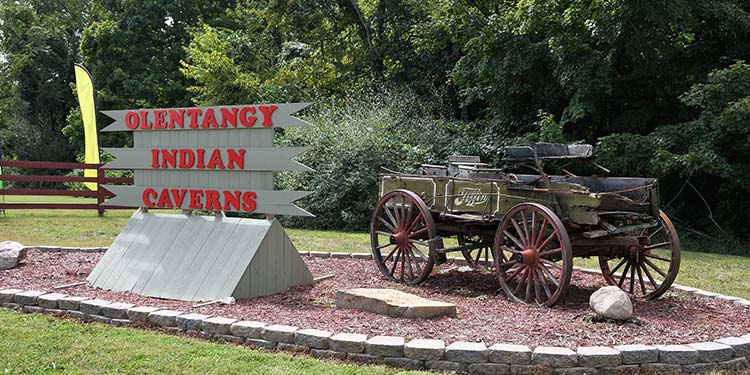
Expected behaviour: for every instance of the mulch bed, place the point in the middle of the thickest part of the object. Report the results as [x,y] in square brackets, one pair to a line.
[483,312]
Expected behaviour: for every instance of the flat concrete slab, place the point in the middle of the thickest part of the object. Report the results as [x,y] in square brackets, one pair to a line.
[393,303]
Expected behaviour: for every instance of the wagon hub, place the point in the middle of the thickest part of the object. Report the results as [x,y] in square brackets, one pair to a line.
[400,238]
[529,257]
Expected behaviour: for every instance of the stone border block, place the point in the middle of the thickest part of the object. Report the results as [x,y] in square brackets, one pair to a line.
[741,345]
[327,354]
[260,343]
[164,318]
[141,313]
[466,352]
[49,301]
[385,346]
[217,325]
[32,309]
[320,254]
[28,298]
[637,354]
[347,342]
[446,366]
[9,295]
[362,255]
[312,338]
[678,354]
[117,310]
[407,363]
[341,255]
[71,303]
[190,322]
[488,368]
[712,351]
[279,333]
[425,349]
[661,368]
[510,354]
[553,356]
[248,329]
[598,356]
[92,306]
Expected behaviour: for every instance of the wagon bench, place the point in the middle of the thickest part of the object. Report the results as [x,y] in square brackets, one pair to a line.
[527,226]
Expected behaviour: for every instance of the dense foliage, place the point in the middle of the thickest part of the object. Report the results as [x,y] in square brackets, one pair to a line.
[661,86]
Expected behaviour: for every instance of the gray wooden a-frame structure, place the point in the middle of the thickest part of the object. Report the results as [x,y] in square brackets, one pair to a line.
[200,258]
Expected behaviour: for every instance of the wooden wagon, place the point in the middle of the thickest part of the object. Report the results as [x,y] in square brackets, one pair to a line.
[526,227]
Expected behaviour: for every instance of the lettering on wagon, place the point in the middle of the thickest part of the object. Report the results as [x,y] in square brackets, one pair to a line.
[471,197]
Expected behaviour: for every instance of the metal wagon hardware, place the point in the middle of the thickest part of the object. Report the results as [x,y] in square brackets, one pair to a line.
[526,227]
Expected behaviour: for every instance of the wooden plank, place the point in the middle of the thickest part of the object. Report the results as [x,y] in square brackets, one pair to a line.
[234,259]
[49,192]
[119,247]
[46,164]
[38,206]
[228,260]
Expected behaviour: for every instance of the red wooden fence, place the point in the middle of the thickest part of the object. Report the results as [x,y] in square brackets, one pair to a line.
[100,194]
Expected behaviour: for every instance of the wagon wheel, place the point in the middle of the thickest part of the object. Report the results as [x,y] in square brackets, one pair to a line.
[538,252]
[399,233]
[652,264]
[475,256]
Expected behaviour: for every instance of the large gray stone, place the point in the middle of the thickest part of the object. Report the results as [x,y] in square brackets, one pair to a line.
[488,368]
[661,369]
[141,313]
[312,338]
[49,301]
[10,254]
[713,351]
[598,356]
[190,322]
[92,306]
[29,297]
[393,303]
[71,303]
[117,310]
[248,329]
[554,357]
[385,346]
[347,342]
[611,302]
[678,354]
[279,333]
[446,366]
[741,345]
[218,325]
[466,352]
[9,295]
[163,318]
[637,354]
[407,363]
[425,349]
[510,354]
[576,371]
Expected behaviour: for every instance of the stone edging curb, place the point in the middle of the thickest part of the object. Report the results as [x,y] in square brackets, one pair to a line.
[728,354]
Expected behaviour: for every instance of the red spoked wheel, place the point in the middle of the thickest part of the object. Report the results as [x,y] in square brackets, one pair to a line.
[651,266]
[479,257]
[533,255]
[400,231]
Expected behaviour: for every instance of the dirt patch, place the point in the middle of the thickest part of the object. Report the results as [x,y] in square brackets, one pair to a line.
[483,312]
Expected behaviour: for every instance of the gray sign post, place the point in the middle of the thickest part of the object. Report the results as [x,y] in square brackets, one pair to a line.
[221,159]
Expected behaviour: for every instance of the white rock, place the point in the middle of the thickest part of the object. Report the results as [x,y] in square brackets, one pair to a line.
[10,254]
[611,302]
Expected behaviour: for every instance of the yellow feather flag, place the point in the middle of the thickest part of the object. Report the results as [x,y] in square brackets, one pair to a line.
[85,88]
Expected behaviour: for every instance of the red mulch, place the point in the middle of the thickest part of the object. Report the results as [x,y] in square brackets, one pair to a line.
[483,312]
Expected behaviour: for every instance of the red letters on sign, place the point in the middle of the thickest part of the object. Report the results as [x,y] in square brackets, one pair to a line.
[200,199]
[159,119]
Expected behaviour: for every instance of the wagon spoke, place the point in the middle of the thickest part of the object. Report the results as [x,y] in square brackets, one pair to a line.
[547,241]
[515,273]
[520,232]
[509,249]
[407,218]
[624,275]
[403,261]
[648,274]
[551,275]
[390,216]
[390,254]
[418,233]
[541,232]
[612,272]
[529,280]
[382,233]
[551,263]
[384,246]
[389,226]
[551,252]
[658,245]
[416,259]
[418,242]
[533,228]
[408,258]
[514,239]
[544,284]
[657,269]
[640,279]
[414,223]
[661,228]
[520,283]
[395,262]
[632,278]
[525,228]
[537,287]
[654,256]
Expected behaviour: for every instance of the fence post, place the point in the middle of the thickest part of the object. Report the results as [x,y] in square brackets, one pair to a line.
[99,190]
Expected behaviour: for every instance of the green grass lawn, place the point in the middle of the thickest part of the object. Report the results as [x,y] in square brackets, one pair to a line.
[720,273]
[33,343]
